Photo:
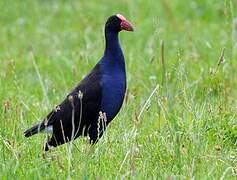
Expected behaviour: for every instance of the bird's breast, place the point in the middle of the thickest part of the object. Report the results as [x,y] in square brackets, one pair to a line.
[113,91]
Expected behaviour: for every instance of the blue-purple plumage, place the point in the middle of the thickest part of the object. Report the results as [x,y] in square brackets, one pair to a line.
[102,90]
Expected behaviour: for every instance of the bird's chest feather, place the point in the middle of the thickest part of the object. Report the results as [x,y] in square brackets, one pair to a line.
[113,91]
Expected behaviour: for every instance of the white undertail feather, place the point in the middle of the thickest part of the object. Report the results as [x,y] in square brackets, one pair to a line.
[48,129]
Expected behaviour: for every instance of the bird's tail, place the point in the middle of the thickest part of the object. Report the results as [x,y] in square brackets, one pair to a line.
[34,130]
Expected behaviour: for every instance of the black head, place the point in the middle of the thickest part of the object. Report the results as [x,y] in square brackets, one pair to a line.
[117,23]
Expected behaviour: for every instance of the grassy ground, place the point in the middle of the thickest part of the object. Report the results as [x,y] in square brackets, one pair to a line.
[181,125]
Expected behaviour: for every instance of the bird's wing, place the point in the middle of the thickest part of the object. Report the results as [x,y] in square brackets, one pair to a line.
[83,101]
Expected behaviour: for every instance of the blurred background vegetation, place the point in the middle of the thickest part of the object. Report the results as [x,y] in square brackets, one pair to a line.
[186,129]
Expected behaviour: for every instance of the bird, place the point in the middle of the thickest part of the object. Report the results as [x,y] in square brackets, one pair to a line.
[96,100]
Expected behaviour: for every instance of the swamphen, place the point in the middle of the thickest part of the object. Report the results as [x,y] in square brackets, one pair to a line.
[92,105]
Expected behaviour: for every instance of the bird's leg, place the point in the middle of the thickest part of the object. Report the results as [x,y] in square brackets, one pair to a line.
[50,143]
[97,128]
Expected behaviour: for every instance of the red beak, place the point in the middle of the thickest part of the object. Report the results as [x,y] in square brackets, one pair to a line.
[125,25]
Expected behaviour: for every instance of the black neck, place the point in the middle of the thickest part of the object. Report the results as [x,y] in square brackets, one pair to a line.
[112,46]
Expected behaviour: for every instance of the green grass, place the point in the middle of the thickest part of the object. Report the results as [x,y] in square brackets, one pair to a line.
[186,129]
